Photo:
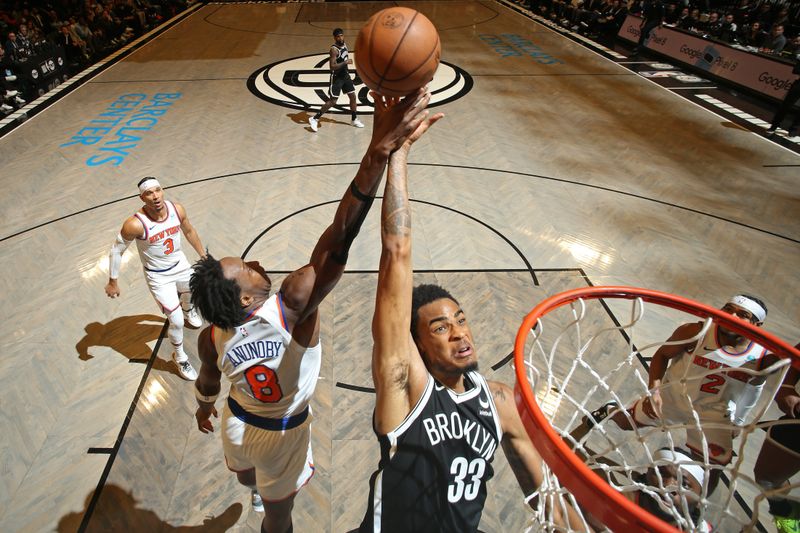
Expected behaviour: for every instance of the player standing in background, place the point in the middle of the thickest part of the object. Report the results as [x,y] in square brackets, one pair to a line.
[340,81]
[156,227]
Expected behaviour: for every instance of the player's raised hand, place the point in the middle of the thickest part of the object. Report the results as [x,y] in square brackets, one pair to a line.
[397,118]
[424,122]
[652,405]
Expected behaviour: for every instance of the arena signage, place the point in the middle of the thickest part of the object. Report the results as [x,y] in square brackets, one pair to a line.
[302,83]
[754,71]
[112,135]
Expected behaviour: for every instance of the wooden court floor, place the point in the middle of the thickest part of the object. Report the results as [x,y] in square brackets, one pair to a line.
[556,169]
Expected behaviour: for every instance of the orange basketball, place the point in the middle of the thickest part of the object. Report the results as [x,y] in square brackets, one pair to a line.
[397,51]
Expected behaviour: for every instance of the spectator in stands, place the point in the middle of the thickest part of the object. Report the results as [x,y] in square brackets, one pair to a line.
[743,13]
[753,35]
[82,31]
[9,95]
[782,18]
[13,50]
[672,15]
[73,48]
[652,17]
[713,26]
[24,41]
[608,26]
[764,15]
[37,20]
[776,41]
[793,48]
[682,18]
[692,23]
[728,32]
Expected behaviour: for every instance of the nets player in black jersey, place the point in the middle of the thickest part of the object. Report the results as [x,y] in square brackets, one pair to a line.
[340,81]
[438,421]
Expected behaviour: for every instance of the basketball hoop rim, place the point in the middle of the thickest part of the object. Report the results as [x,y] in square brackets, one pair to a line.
[611,507]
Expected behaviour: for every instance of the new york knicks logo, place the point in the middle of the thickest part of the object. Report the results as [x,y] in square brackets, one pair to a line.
[303,82]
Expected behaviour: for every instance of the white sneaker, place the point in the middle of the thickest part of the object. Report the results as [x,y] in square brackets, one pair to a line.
[185,369]
[357,123]
[313,123]
[6,108]
[258,503]
[11,78]
[10,94]
[193,318]
[19,100]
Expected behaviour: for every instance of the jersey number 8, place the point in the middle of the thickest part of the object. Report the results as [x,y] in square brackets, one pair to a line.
[263,383]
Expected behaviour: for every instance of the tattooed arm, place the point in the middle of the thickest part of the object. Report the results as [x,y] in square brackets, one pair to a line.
[397,369]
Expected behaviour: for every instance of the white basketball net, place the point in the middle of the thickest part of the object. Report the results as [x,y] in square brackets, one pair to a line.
[578,360]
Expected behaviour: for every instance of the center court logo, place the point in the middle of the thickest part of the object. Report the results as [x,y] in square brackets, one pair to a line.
[302,83]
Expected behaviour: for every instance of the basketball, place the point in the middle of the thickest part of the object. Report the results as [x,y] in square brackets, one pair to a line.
[397,51]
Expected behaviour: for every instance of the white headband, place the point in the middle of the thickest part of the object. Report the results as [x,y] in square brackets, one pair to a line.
[149,183]
[684,462]
[749,305]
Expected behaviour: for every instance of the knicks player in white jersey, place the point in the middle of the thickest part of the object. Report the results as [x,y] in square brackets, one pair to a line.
[269,347]
[725,396]
[157,227]
[437,420]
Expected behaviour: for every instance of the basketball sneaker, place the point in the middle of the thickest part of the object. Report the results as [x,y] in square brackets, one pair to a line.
[193,318]
[313,123]
[185,369]
[258,503]
[357,123]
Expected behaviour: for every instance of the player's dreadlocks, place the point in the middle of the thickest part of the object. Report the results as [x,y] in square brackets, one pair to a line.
[216,297]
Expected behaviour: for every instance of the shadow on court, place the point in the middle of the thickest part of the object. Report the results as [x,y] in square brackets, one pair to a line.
[117,510]
[128,336]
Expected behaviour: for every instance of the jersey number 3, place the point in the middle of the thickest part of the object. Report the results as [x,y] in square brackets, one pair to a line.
[169,246]
[461,486]
[263,383]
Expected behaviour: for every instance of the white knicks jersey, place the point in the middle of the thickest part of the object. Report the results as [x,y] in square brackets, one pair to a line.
[160,248]
[724,394]
[271,374]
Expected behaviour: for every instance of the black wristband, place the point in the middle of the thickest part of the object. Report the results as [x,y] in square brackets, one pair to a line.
[358,194]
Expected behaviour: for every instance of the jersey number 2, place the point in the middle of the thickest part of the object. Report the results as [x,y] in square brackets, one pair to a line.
[263,382]
[713,383]
[461,487]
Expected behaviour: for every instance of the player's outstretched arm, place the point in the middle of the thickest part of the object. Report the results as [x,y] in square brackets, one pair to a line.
[207,385]
[660,362]
[397,369]
[305,288]
[190,232]
[524,460]
[131,229]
